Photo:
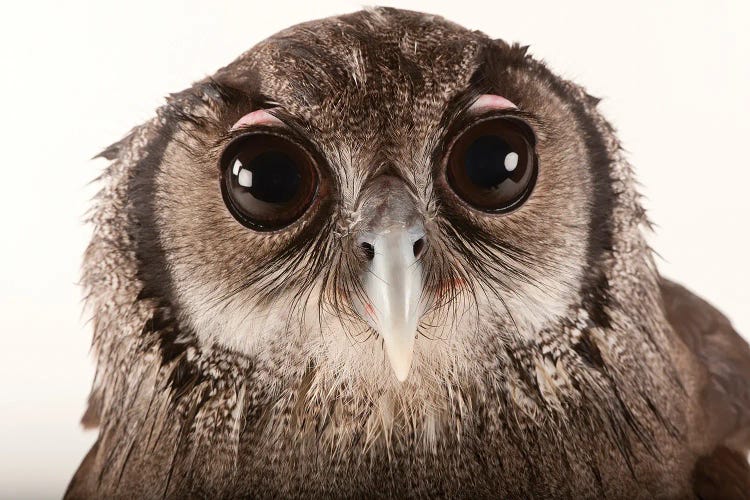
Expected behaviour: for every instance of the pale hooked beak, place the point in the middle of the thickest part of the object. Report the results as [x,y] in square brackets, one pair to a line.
[393,288]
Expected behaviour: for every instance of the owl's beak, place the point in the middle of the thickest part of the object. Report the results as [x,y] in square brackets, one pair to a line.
[393,286]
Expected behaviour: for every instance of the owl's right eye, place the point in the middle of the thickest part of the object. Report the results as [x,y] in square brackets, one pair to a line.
[267,180]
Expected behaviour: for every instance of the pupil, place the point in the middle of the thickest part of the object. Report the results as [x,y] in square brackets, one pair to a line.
[275,177]
[489,161]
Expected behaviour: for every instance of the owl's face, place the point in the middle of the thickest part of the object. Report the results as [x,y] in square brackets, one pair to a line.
[379,198]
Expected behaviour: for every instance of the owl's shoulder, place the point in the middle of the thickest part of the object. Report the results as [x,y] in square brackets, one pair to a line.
[724,357]
[714,342]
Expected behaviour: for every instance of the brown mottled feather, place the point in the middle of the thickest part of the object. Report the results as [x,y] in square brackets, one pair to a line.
[723,475]
[726,396]
[723,353]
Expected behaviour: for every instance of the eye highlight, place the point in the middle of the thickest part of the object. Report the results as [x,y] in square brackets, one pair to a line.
[267,180]
[492,165]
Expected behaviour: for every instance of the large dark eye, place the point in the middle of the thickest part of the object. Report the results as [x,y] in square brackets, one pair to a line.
[492,165]
[267,180]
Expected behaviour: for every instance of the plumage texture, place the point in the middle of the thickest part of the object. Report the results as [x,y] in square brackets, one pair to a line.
[556,362]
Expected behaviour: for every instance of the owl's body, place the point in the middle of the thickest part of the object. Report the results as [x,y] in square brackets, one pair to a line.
[552,360]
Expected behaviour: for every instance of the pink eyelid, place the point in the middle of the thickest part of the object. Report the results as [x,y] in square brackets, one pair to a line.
[263,117]
[491,101]
[258,117]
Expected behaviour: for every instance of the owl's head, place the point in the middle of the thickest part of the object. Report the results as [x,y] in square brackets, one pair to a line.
[384,197]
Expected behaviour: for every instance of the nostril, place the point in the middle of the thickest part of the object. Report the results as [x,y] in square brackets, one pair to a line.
[419,247]
[368,249]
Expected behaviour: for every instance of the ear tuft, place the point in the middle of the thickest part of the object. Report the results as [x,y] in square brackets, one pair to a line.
[593,100]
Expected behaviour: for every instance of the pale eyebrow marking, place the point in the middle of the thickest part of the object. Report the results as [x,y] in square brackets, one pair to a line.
[257,117]
[488,102]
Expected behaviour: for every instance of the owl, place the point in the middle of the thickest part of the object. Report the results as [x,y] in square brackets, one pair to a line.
[381,255]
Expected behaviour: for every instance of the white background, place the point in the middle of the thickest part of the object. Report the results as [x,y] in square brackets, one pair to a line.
[675,78]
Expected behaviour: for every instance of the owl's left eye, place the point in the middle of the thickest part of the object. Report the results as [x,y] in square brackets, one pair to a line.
[267,180]
[492,165]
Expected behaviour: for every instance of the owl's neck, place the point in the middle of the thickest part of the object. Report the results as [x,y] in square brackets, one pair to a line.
[576,383]
[566,371]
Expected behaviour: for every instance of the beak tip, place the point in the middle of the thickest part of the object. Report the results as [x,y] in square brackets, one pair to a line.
[401,375]
[401,364]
